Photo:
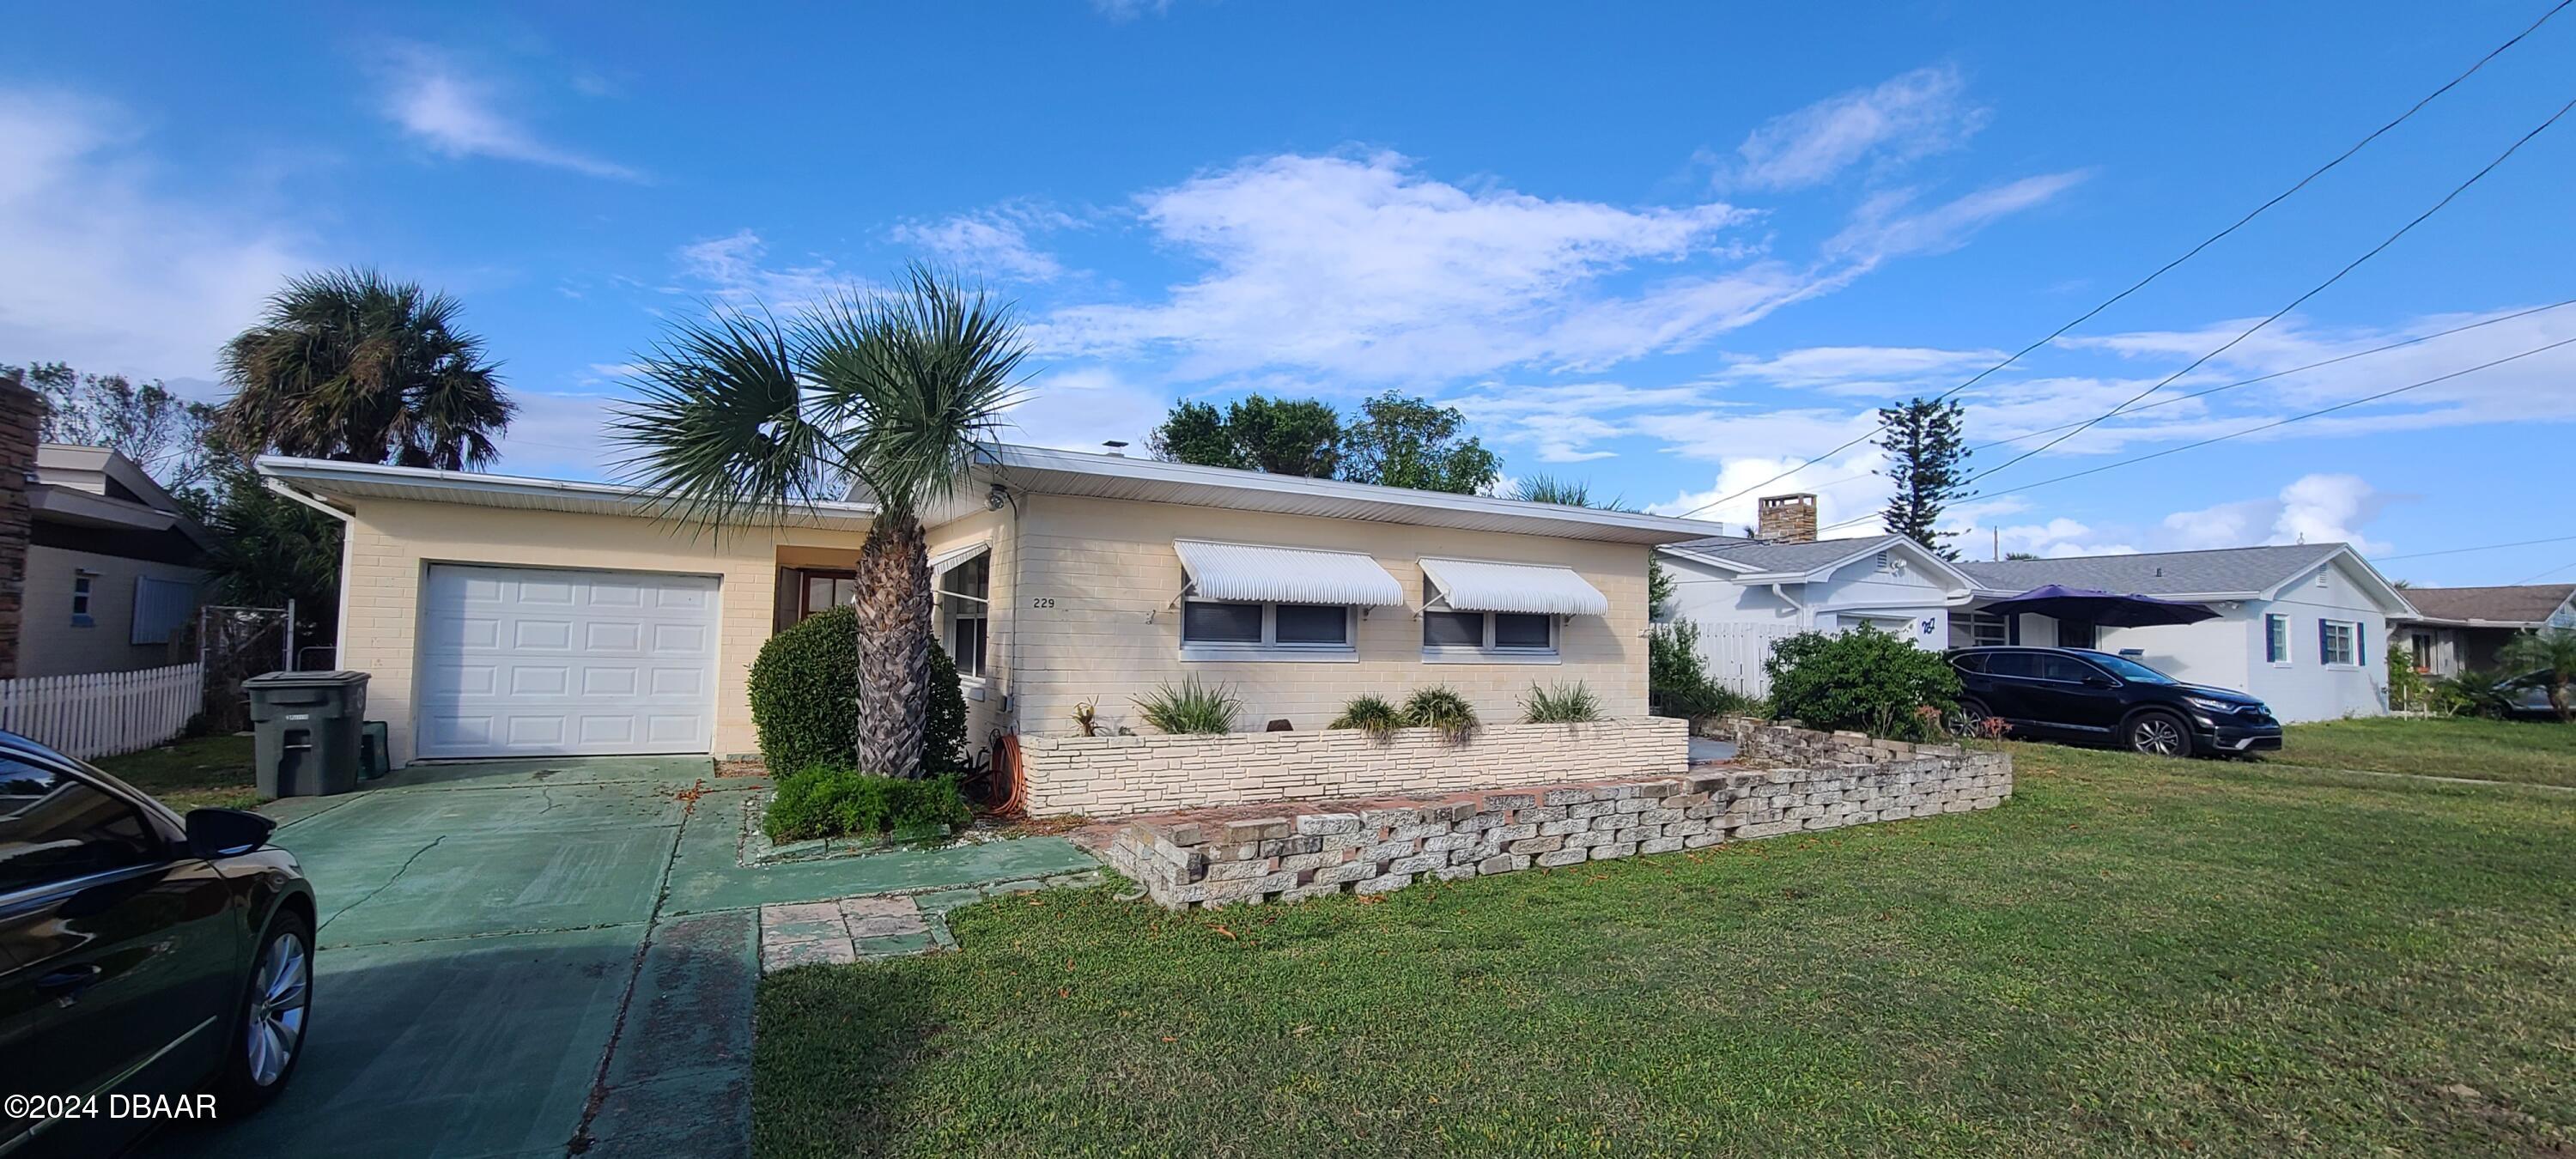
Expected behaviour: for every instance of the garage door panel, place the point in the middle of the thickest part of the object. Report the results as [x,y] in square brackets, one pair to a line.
[534,662]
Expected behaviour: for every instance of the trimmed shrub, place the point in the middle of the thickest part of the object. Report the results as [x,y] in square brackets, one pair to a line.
[1371,715]
[804,699]
[1561,704]
[839,801]
[1191,708]
[1440,707]
[1677,680]
[1861,679]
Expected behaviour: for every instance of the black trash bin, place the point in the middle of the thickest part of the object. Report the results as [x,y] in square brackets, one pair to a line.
[306,728]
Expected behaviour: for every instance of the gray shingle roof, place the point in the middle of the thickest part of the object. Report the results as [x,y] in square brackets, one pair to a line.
[2527,604]
[1784,557]
[2233,569]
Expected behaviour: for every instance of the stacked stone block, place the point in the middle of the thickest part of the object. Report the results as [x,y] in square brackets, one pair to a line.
[1324,849]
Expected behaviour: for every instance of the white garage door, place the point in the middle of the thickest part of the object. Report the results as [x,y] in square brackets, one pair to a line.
[534,662]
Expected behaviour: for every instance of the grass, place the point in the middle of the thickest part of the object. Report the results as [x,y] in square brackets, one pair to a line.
[2130,956]
[199,772]
[2539,752]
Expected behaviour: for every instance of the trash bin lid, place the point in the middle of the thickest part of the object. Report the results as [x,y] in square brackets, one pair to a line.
[333,679]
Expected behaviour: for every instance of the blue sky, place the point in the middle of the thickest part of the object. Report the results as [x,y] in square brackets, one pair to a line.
[1669,250]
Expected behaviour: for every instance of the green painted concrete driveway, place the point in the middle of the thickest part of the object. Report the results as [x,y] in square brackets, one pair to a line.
[537,958]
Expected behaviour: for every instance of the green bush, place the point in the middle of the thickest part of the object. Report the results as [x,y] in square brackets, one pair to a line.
[1861,679]
[838,801]
[1561,704]
[1440,707]
[804,699]
[1371,715]
[2470,692]
[1677,680]
[1191,708]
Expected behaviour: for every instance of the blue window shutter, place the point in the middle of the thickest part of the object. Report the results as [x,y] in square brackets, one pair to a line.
[2359,652]
[2325,643]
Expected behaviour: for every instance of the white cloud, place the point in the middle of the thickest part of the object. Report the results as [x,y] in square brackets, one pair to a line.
[560,436]
[460,115]
[1122,11]
[1876,371]
[1078,408]
[110,264]
[1886,226]
[2314,508]
[1845,489]
[729,269]
[1906,117]
[993,242]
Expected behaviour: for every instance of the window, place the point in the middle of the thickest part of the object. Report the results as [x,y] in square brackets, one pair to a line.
[2276,639]
[2066,669]
[965,602]
[161,609]
[80,599]
[2074,635]
[54,828]
[1217,630]
[2338,642]
[1488,635]
[2422,651]
[2020,665]
[1982,630]
[2131,671]
[812,591]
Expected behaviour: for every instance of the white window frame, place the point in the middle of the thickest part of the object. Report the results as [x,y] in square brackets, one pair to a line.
[1490,652]
[982,610]
[84,597]
[1978,623]
[1269,649]
[2351,650]
[2287,653]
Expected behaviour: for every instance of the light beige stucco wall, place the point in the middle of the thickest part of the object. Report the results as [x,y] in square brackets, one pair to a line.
[48,644]
[392,542]
[1108,568]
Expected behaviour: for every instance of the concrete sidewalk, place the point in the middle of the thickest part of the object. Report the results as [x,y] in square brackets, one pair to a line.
[523,958]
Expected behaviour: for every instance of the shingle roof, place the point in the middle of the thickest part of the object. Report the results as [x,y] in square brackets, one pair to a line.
[2234,569]
[1779,557]
[2527,604]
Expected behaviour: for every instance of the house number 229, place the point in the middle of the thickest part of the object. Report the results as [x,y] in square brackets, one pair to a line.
[1042,602]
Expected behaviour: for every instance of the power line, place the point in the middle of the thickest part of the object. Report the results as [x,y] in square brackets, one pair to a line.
[2160,271]
[2249,430]
[2246,381]
[2541,575]
[2480,547]
[2276,315]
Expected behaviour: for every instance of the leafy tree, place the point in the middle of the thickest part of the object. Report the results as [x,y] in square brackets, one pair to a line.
[1924,436]
[2021,555]
[1659,587]
[1407,442]
[269,549]
[1677,679]
[2551,654]
[1258,433]
[1544,488]
[348,365]
[743,417]
[1861,679]
[160,431]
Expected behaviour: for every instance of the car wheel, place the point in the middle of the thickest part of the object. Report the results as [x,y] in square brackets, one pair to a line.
[268,1035]
[2159,734]
[1971,717]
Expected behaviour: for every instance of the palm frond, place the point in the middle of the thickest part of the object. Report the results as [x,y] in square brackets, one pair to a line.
[721,431]
[918,381]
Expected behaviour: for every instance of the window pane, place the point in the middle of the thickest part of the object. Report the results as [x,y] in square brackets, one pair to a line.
[973,577]
[966,645]
[1453,629]
[2021,664]
[1206,623]
[1972,662]
[2065,668]
[1314,624]
[55,828]
[1517,630]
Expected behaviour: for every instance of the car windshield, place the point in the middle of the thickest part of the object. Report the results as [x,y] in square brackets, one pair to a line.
[2130,670]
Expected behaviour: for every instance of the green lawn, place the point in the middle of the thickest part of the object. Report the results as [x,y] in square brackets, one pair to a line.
[2130,956]
[2540,752]
[193,773]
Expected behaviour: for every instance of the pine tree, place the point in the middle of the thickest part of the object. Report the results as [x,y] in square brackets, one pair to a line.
[1930,453]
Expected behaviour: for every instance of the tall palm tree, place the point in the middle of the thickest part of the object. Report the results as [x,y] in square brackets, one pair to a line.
[2550,652]
[743,417]
[345,364]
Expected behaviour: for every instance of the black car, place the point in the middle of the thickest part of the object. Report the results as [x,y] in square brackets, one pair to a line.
[2082,695]
[152,967]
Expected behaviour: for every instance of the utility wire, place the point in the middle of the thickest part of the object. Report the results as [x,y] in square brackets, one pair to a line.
[2247,431]
[2276,315]
[2160,271]
[2480,547]
[2541,575]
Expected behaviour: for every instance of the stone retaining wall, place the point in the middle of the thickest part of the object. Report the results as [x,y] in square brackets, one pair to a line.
[1109,776]
[1298,852]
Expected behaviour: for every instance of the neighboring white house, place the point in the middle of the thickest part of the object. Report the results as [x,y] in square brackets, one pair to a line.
[2303,627]
[113,567]
[1744,594]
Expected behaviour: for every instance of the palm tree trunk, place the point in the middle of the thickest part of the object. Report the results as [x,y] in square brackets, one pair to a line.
[894,645]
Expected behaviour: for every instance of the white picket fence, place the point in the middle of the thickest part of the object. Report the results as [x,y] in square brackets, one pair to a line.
[102,714]
[1735,653]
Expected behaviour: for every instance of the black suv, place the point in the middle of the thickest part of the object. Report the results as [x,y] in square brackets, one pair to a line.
[2082,695]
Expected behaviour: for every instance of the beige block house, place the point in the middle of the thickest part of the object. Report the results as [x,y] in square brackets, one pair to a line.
[113,567]
[508,616]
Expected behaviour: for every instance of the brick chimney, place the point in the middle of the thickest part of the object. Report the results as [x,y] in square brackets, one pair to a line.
[21,413]
[1787,519]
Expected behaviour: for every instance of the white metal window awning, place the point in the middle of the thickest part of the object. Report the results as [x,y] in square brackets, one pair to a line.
[945,561]
[1286,575]
[1467,585]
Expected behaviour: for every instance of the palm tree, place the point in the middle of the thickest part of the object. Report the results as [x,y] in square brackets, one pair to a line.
[2550,652]
[742,418]
[347,365]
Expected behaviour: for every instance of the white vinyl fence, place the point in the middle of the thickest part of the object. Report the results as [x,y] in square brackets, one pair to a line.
[1735,653]
[102,714]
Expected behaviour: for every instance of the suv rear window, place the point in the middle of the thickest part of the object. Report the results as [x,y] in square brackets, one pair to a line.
[1972,662]
[2067,668]
[2021,664]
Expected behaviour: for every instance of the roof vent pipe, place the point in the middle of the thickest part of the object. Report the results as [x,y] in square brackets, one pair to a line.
[1117,448]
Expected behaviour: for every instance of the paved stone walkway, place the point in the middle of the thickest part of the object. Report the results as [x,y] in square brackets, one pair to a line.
[858,929]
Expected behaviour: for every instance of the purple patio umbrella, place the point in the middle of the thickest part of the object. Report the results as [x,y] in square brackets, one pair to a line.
[2104,609]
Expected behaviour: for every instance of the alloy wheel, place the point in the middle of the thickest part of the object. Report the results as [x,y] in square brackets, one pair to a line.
[280,991]
[2158,736]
